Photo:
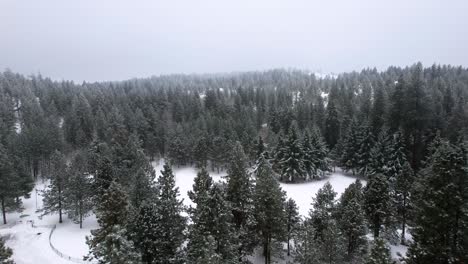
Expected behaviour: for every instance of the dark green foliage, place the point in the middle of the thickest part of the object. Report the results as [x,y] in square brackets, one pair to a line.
[269,213]
[211,237]
[323,210]
[159,228]
[290,158]
[53,197]
[403,190]
[332,124]
[5,253]
[78,194]
[307,251]
[378,204]
[316,160]
[110,243]
[380,253]
[439,229]
[352,221]
[10,188]
[239,194]
[292,221]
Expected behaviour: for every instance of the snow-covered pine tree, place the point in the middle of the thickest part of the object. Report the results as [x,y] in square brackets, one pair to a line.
[323,209]
[319,154]
[293,221]
[309,162]
[352,222]
[222,229]
[332,123]
[261,149]
[291,163]
[268,208]
[396,159]
[109,243]
[5,253]
[201,247]
[380,253]
[307,251]
[159,228]
[364,154]
[378,203]
[100,165]
[53,198]
[200,151]
[349,159]
[403,188]
[9,190]
[380,154]
[440,224]
[239,194]
[331,246]
[78,194]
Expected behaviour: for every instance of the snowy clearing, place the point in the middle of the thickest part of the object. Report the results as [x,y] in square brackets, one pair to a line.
[31,245]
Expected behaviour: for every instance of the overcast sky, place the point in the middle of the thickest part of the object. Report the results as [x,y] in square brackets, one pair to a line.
[114,40]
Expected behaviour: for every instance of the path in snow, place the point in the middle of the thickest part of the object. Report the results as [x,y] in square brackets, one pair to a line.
[31,245]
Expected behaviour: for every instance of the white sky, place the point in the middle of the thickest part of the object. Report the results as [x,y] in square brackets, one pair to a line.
[114,40]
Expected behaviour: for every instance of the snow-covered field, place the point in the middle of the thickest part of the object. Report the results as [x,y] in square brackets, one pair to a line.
[31,245]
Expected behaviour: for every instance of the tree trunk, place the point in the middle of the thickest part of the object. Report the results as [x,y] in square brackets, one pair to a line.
[403,224]
[266,252]
[35,168]
[81,216]
[4,211]
[60,208]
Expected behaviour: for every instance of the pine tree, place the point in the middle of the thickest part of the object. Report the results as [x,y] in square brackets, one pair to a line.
[403,188]
[78,194]
[201,247]
[316,161]
[5,254]
[323,209]
[439,227]
[332,124]
[380,154]
[200,151]
[240,197]
[378,203]
[307,251]
[365,145]
[159,227]
[100,164]
[109,243]
[380,253]
[268,208]
[351,145]
[397,103]
[397,158]
[292,221]
[9,189]
[352,221]
[222,229]
[378,111]
[331,248]
[320,154]
[53,197]
[291,163]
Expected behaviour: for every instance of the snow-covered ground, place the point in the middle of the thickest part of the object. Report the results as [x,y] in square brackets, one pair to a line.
[31,245]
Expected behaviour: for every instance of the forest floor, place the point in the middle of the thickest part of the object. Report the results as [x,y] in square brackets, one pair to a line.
[31,245]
